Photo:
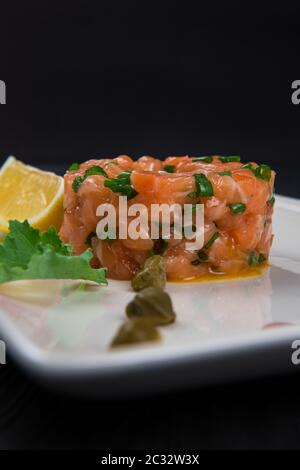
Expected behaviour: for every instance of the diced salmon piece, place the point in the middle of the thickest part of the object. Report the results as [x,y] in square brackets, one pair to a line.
[118,260]
[147,164]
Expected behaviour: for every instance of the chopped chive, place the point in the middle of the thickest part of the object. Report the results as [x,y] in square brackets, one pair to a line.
[237,208]
[271,201]
[230,158]
[121,184]
[195,262]
[256,260]
[211,240]
[205,159]
[203,257]
[159,247]
[261,258]
[192,195]
[204,186]
[95,170]
[125,177]
[77,182]
[74,166]
[225,173]
[170,168]
[263,172]
[249,166]
[252,259]
[130,192]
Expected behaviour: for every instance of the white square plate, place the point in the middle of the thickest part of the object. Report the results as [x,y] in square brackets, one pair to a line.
[60,331]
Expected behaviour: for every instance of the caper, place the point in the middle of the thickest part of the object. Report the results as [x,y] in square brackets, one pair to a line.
[152,275]
[135,331]
[153,304]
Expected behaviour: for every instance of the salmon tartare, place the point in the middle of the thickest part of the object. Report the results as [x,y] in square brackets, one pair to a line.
[238,206]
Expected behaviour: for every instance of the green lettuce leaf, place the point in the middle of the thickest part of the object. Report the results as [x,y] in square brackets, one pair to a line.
[28,254]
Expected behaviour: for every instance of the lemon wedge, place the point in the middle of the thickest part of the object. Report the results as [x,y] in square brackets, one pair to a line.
[29,193]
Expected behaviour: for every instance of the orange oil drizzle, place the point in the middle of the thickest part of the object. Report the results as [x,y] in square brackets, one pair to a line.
[249,272]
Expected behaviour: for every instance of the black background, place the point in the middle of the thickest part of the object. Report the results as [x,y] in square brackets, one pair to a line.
[87,79]
[263,414]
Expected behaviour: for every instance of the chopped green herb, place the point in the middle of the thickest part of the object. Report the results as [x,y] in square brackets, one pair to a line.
[261,258]
[196,262]
[125,176]
[263,172]
[204,186]
[256,259]
[74,166]
[230,158]
[28,254]
[249,166]
[170,168]
[122,185]
[95,170]
[192,195]
[159,247]
[205,159]
[211,240]
[237,208]
[78,180]
[271,201]
[225,173]
[203,257]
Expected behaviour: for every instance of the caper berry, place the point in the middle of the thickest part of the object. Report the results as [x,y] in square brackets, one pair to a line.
[135,331]
[152,275]
[153,304]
